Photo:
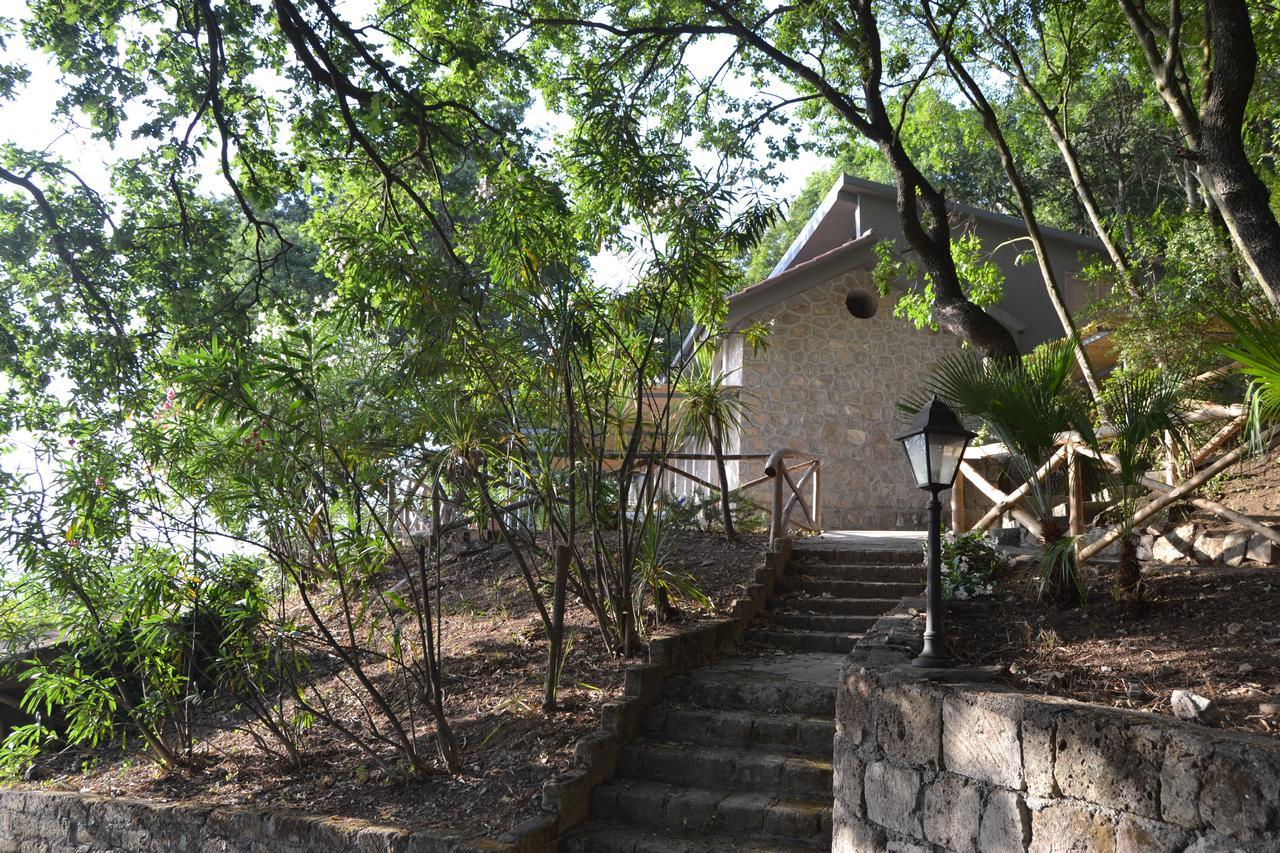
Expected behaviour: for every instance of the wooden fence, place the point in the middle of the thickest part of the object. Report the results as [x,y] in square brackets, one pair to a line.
[1183,477]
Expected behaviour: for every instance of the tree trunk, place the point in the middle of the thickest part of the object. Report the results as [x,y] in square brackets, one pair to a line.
[1127,577]
[726,512]
[991,123]
[555,638]
[1241,196]
[932,242]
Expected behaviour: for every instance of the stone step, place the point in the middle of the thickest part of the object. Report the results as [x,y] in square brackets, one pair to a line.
[793,734]
[819,587]
[726,767]
[822,622]
[857,572]
[832,642]
[847,606]
[731,694]
[905,556]
[754,814]
[608,837]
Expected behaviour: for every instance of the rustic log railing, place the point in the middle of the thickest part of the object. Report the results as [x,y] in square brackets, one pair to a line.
[798,486]
[1198,467]
[787,491]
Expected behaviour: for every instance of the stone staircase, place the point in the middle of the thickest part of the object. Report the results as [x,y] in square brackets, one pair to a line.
[737,755]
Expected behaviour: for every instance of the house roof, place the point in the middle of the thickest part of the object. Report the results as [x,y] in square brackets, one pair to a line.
[796,279]
[836,239]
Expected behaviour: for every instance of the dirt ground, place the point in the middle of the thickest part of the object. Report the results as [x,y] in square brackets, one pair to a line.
[1252,488]
[494,665]
[1214,631]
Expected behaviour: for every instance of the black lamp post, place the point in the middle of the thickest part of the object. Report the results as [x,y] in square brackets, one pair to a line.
[935,442]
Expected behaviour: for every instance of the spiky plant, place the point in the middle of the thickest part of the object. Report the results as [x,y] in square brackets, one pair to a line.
[1026,404]
[1257,348]
[1142,407]
[708,411]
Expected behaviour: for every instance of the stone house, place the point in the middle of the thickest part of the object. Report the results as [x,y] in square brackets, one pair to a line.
[836,360]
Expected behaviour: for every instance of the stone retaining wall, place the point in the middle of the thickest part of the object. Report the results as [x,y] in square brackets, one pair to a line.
[53,822]
[946,762]
[57,822]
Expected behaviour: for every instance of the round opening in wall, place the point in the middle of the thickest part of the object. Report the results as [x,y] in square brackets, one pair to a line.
[862,303]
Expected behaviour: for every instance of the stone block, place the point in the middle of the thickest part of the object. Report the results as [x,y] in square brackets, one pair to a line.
[1235,548]
[891,795]
[1006,823]
[1181,773]
[980,740]
[1068,826]
[952,811]
[1101,760]
[381,839]
[1239,793]
[1138,835]
[852,835]
[848,771]
[1038,747]
[1262,550]
[1166,550]
[855,707]
[908,720]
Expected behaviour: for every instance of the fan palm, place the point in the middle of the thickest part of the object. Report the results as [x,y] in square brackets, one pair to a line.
[1025,404]
[1257,348]
[1143,407]
[710,409]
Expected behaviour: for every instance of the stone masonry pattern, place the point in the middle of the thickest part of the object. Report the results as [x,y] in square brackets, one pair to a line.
[828,383]
[929,765]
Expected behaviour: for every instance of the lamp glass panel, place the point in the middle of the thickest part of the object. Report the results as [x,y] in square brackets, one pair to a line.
[918,452]
[944,458]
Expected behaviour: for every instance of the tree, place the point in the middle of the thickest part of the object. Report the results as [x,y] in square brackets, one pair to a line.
[1146,410]
[852,78]
[709,410]
[1213,130]
[1025,405]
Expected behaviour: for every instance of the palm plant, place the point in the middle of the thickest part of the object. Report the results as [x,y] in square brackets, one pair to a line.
[1026,404]
[1143,407]
[710,409]
[1257,349]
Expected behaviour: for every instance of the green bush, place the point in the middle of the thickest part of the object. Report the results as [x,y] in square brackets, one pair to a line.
[969,564]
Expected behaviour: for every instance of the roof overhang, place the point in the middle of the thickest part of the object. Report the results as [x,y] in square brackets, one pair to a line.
[852,255]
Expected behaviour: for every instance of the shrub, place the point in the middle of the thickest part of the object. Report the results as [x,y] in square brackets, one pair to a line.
[969,564]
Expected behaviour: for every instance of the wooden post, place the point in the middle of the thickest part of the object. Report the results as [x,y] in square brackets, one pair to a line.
[958,520]
[1170,459]
[1075,497]
[777,529]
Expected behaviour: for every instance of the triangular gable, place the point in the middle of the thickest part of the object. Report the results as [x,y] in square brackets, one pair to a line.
[799,277]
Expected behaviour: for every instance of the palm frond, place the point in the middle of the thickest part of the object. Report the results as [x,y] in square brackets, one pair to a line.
[1026,404]
[1257,349]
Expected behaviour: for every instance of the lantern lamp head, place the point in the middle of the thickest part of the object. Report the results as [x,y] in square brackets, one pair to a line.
[935,442]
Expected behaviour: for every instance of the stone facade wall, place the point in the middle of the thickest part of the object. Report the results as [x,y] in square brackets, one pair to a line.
[963,766]
[828,383]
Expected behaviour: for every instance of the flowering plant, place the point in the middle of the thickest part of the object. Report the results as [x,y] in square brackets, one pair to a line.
[969,563]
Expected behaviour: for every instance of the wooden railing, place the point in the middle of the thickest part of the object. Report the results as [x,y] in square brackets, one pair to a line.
[787,491]
[1196,469]
[788,474]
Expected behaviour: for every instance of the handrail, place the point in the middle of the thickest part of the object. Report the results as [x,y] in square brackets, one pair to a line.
[780,511]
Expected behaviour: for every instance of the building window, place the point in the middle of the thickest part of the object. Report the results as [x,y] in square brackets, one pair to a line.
[862,303]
